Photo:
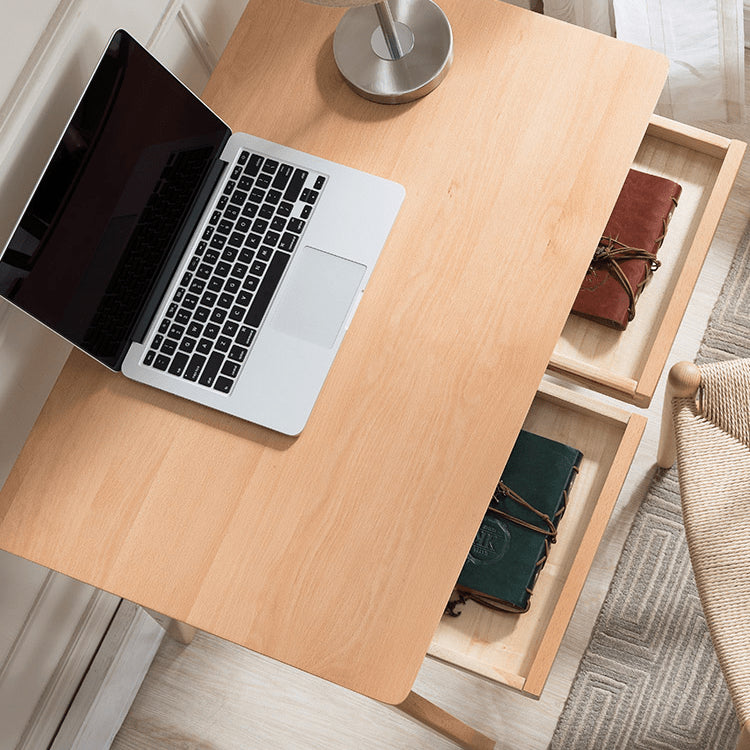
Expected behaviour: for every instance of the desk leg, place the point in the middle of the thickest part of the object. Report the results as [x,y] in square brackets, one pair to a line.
[181,632]
[441,721]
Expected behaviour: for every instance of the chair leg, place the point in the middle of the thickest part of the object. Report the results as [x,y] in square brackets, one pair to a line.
[441,721]
[743,743]
[683,381]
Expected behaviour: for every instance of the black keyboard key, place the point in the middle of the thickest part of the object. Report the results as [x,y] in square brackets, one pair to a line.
[242,158]
[230,328]
[245,183]
[270,166]
[238,353]
[149,358]
[172,309]
[183,316]
[186,279]
[190,301]
[319,182]
[175,332]
[267,211]
[204,346]
[207,232]
[239,271]
[179,362]
[224,385]
[295,225]
[215,284]
[229,254]
[237,312]
[194,329]
[265,253]
[187,345]
[211,369]
[232,285]
[253,240]
[201,247]
[218,241]
[266,289]
[236,172]
[284,208]
[253,166]
[179,294]
[273,197]
[282,177]
[309,196]
[257,268]
[211,256]
[250,283]
[245,336]
[243,225]
[218,315]
[236,239]
[194,261]
[222,202]
[288,241]
[306,211]
[161,362]
[215,216]
[211,330]
[250,210]
[244,298]
[164,326]
[223,268]
[271,238]
[295,185]
[225,227]
[229,187]
[169,346]
[260,226]
[208,299]
[223,343]
[230,369]
[232,211]
[263,181]
[278,224]
[225,301]
[238,197]
[156,343]
[201,314]
[246,255]
[256,195]
[203,271]
[195,366]
[197,286]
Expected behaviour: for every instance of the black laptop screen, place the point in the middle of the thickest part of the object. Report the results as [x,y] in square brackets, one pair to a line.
[112,202]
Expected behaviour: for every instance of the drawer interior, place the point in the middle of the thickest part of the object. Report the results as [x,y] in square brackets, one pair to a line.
[518,650]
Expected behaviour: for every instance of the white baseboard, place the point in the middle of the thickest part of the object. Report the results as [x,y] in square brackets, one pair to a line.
[110,686]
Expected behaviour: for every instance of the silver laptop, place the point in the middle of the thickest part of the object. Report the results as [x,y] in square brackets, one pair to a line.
[217,266]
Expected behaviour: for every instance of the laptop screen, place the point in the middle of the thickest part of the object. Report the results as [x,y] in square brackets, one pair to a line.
[111,203]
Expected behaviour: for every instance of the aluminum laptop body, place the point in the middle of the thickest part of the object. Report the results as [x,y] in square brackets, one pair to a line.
[220,267]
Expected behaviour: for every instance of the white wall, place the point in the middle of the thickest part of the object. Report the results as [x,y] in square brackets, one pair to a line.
[50,626]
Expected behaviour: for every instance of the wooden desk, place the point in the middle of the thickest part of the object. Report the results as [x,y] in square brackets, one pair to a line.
[336,551]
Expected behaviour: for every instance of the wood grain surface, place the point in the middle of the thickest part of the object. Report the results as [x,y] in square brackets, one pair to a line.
[336,551]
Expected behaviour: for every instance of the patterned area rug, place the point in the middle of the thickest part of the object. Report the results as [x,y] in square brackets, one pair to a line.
[649,679]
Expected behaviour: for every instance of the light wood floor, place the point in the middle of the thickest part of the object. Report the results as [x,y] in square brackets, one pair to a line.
[215,695]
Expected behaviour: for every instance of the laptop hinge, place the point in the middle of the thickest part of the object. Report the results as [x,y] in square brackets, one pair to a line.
[165,276]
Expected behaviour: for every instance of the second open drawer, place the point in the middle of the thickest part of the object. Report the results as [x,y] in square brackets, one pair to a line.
[518,650]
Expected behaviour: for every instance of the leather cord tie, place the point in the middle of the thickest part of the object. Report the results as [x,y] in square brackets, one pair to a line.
[611,252]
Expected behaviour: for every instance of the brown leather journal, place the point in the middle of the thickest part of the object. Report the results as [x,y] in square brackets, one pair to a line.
[626,255]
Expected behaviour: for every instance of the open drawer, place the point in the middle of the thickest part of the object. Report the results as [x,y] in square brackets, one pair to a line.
[627,364]
[518,650]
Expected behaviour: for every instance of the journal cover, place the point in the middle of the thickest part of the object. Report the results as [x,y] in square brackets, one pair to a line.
[513,541]
[626,255]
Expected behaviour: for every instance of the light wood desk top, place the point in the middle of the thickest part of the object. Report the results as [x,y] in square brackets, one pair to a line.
[336,551]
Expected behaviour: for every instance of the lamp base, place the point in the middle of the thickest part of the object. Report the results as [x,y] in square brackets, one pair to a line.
[362,55]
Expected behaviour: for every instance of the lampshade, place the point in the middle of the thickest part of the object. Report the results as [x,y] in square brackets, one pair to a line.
[393,52]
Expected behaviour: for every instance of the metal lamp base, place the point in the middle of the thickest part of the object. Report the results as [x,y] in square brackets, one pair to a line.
[364,59]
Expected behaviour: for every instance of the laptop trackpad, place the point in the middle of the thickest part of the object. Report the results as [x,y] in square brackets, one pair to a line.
[317,296]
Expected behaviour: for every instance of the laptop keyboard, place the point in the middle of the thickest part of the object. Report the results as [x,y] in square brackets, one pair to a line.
[253,229]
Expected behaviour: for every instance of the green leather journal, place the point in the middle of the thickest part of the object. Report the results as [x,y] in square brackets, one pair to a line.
[514,539]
